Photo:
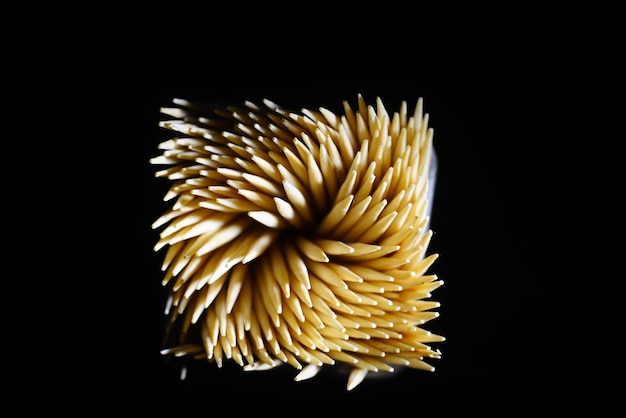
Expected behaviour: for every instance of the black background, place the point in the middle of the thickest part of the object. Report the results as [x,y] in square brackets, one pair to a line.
[526,100]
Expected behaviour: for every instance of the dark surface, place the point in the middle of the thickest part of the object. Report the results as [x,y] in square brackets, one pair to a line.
[527,106]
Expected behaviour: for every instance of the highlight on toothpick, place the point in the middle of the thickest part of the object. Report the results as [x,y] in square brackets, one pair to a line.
[299,238]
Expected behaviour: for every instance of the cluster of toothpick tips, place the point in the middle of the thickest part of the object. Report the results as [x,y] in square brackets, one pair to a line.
[299,238]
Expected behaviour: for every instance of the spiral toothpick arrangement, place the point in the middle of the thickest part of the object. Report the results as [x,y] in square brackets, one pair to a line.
[299,238]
